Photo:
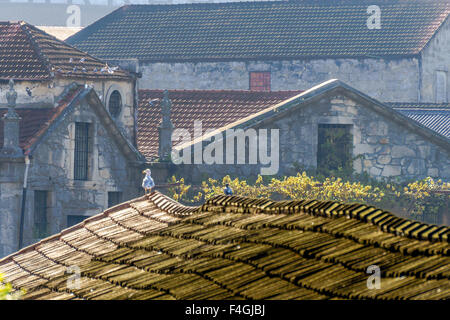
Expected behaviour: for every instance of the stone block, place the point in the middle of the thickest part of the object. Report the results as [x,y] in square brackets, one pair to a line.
[391,171]
[433,172]
[377,128]
[363,148]
[357,165]
[384,159]
[374,171]
[402,151]
[417,166]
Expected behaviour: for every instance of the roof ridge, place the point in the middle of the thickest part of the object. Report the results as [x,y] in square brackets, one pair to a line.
[221,90]
[44,59]
[384,220]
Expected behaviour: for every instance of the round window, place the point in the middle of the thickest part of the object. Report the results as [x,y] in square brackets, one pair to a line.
[115,103]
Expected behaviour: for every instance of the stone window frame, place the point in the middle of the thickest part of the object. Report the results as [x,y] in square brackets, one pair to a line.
[111,90]
[37,234]
[93,157]
[334,120]
[266,81]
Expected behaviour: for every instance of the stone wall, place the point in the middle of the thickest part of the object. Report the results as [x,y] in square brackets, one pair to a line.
[385,80]
[10,203]
[46,94]
[436,57]
[52,170]
[386,148]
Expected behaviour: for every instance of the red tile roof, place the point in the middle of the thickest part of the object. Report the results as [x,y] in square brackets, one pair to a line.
[214,108]
[28,53]
[35,121]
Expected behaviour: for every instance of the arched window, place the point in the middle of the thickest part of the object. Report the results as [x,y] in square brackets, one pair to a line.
[115,103]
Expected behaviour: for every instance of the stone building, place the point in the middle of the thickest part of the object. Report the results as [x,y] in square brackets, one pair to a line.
[395,51]
[385,142]
[63,154]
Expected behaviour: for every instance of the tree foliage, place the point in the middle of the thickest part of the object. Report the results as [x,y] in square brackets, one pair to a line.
[7,292]
[414,198]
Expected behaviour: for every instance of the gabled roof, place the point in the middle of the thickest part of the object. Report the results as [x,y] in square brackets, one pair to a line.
[314,94]
[234,248]
[28,53]
[263,30]
[36,123]
[435,116]
[215,108]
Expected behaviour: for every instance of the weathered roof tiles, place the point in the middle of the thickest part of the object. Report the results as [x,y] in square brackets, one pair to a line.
[214,108]
[237,248]
[28,53]
[262,30]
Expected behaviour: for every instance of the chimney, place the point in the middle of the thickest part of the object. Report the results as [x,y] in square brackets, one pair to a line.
[165,129]
[11,126]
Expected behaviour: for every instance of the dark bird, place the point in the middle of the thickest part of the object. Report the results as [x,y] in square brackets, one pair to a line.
[28,91]
[227,190]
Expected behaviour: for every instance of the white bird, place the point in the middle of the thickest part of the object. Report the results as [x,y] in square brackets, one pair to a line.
[70,60]
[147,183]
[82,60]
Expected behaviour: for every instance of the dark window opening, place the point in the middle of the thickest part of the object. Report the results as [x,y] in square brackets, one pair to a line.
[260,81]
[114,198]
[73,220]
[115,103]
[40,214]
[81,165]
[334,150]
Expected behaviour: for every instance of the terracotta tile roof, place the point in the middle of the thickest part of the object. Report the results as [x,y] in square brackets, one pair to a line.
[35,121]
[28,53]
[214,108]
[233,248]
[262,30]
[435,116]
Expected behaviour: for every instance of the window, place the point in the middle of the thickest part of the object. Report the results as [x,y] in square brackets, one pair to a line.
[115,103]
[114,198]
[81,163]
[40,214]
[334,150]
[260,81]
[73,220]
[441,87]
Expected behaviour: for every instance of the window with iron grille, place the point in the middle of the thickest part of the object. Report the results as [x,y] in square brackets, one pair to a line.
[334,150]
[115,103]
[114,198]
[260,81]
[81,163]
[40,214]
